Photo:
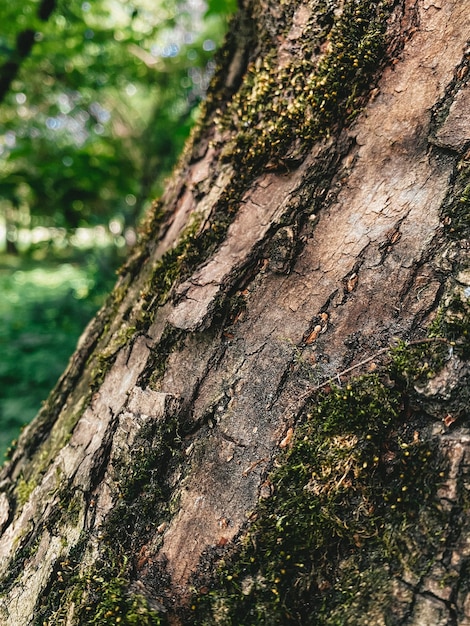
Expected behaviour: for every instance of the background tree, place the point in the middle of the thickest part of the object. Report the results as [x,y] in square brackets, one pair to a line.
[196,462]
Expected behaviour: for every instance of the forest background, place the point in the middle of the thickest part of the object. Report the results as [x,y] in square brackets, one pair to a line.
[96,101]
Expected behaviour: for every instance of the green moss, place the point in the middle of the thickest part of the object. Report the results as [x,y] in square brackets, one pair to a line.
[11,450]
[355,494]
[453,318]
[101,596]
[75,505]
[148,233]
[106,594]
[420,361]
[455,212]
[171,267]
[455,322]
[24,489]
[64,583]
[307,99]
[26,545]
[153,451]
[107,600]
[156,363]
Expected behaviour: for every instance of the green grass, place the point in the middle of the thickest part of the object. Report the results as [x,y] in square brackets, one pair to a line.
[45,304]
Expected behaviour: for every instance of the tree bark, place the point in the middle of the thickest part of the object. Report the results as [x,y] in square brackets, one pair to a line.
[266,422]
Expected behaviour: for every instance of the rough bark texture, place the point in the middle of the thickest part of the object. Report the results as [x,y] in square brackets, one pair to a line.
[195,464]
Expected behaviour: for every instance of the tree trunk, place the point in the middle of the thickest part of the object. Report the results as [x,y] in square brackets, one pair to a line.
[266,423]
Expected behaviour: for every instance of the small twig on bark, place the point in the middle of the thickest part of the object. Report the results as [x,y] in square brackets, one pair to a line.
[338,375]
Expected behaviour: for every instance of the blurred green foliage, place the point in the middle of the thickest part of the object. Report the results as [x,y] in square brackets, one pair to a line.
[96,101]
[44,307]
[101,105]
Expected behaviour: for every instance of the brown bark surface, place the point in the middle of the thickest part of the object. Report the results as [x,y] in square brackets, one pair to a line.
[324,265]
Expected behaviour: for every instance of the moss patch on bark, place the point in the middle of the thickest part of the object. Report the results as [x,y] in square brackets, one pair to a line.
[356,493]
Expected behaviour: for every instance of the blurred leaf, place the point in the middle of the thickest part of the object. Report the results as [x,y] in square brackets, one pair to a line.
[221,7]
